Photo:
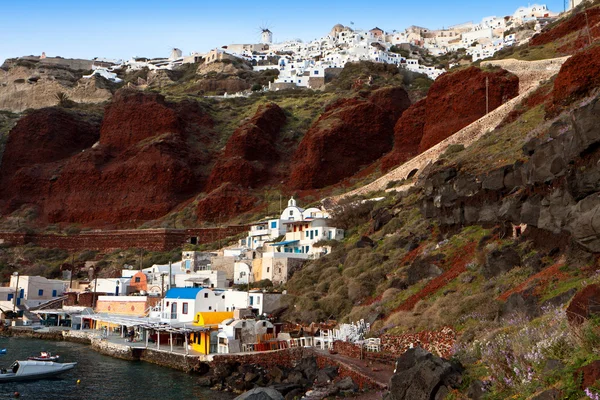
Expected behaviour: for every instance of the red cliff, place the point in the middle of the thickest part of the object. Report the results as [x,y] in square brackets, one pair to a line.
[350,134]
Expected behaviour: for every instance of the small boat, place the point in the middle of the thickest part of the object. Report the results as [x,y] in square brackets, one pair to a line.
[2,351]
[45,356]
[31,370]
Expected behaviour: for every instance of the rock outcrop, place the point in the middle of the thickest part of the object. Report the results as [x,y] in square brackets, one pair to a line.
[578,76]
[350,134]
[25,84]
[454,101]
[556,190]
[457,99]
[408,133]
[420,375]
[251,150]
[141,168]
[225,202]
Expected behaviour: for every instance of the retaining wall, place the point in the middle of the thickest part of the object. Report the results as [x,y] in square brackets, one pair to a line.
[148,239]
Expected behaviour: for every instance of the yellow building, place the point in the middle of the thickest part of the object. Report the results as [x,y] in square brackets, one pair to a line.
[200,341]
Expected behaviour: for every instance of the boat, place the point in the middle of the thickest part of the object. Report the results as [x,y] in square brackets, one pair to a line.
[32,370]
[2,351]
[45,356]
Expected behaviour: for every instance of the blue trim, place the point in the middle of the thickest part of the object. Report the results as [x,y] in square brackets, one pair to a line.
[285,243]
[183,293]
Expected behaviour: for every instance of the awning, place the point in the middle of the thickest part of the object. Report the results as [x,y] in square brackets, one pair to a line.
[285,243]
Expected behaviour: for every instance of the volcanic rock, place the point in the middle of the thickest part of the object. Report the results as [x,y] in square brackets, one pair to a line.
[251,149]
[420,375]
[351,133]
[224,202]
[578,76]
[408,133]
[457,99]
[584,305]
[141,169]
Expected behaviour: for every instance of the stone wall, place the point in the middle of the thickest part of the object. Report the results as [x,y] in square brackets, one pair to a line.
[267,359]
[176,361]
[363,381]
[148,239]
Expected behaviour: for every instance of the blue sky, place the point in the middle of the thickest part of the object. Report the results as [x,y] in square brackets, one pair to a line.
[125,28]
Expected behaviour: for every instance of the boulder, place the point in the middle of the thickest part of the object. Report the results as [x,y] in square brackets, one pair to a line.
[261,394]
[584,304]
[420,375]
[500,261]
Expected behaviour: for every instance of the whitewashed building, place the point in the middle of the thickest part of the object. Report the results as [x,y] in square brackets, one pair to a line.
[35,290]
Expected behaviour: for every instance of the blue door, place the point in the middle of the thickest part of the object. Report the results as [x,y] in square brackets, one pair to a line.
[54,293]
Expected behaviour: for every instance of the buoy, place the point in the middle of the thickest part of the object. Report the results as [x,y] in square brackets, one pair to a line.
[17,394]
[78,381]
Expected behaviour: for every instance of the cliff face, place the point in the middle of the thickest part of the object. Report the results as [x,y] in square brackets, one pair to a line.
[350,134]
[578,76]
[454,101]
[250,151]
[142,167]
[35,85]
[457,99]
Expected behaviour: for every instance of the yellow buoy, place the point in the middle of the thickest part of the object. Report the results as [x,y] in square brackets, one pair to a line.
[78,381]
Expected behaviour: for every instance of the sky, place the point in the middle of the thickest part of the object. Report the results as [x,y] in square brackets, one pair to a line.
[120,29]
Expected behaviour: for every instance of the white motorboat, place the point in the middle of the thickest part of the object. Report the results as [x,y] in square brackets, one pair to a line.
[30,370]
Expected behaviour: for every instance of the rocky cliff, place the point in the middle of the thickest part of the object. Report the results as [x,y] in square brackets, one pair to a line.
[250,152]
[141,168]
[350,134]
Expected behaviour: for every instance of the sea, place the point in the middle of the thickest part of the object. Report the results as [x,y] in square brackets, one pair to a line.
[97,376]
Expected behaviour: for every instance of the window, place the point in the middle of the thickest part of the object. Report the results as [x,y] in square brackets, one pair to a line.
[41,292]
[54,293]
[209,308]
[273,224]
[268,269]
[257,300]
[206,295]
[185,308]
[137,279]
[316,72]
[291,212]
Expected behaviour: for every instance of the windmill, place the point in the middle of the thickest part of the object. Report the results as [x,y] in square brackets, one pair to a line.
[175,53]
[266,36]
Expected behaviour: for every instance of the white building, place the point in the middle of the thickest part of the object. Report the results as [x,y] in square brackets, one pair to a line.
[233,333]
[204,279]
[35,290]
[111,286]
[182,304]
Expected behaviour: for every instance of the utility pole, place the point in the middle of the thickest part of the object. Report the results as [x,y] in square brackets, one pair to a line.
[587,24]
[141,258]
[170,274]
[16,291]
[487,95]
[95,286]
[162,285]
[72,268]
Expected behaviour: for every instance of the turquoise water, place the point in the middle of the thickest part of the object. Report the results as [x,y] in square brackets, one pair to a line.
[101,377]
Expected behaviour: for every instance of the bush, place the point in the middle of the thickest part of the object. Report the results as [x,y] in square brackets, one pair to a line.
[351,214]
[453,149]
